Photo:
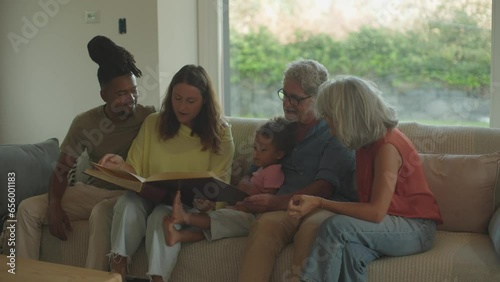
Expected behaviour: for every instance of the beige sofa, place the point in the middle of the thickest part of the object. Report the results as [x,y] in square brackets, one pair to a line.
[464,187]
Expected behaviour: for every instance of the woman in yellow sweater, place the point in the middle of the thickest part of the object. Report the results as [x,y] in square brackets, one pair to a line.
[189,134]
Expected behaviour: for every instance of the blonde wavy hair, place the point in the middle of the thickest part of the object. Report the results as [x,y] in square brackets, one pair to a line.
[359,114]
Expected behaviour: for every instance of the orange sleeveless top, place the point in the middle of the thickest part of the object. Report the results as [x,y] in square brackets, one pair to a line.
[412,197]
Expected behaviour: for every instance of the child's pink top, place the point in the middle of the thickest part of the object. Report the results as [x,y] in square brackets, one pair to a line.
[269,177]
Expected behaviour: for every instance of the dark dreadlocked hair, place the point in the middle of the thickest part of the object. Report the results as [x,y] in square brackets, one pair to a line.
[113,60]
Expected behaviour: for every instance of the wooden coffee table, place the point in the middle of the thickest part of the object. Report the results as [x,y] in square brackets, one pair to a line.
[34,270]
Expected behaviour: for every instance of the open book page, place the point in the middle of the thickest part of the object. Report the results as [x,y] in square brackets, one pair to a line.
[161,187]
[134,185]
[119,173]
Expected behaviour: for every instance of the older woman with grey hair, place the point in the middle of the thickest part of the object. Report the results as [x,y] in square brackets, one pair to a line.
[396,214]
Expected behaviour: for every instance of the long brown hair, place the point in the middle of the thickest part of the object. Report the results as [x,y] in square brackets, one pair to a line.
[208,124]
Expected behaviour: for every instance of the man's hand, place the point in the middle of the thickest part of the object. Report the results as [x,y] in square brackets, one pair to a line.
[58,221]
[260,203]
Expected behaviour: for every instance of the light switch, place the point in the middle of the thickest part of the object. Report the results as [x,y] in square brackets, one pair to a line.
[122,25]
[92,16]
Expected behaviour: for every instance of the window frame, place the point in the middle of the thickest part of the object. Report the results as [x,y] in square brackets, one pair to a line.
[213,43]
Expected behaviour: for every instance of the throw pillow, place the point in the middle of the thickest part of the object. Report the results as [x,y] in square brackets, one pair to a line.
[27,169]
[464,187]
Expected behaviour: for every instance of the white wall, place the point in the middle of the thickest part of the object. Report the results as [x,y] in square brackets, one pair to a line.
[178,44]
[46,75]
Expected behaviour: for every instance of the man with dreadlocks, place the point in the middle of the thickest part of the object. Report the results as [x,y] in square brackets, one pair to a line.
[106,128]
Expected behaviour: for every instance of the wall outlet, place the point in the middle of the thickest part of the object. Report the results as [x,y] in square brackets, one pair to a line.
[92,17]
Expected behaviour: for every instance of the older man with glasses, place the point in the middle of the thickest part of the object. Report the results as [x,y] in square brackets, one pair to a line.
[319,165]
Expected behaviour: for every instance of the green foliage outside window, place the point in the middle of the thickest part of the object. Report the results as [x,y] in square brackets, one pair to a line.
[452,53]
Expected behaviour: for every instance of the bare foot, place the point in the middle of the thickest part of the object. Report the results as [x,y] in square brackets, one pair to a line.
[179,215]
[172,236]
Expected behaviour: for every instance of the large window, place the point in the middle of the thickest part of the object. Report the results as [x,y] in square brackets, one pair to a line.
[432,59]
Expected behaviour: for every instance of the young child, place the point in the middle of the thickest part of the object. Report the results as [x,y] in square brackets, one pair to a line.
[273,141]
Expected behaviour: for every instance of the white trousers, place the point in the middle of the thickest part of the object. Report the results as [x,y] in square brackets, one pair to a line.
[135,218]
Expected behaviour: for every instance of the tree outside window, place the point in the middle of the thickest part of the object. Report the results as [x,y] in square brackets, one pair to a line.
[431,59]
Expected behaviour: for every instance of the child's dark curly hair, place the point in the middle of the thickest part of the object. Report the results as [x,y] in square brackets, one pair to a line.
[281,132]
[113,60]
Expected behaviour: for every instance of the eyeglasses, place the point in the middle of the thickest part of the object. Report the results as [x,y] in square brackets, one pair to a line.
[293,100]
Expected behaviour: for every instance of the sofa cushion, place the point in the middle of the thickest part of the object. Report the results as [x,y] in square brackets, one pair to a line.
[464,187]
[29,166]
[494,231]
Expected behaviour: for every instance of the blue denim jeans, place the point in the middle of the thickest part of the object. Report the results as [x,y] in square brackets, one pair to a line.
[345,245]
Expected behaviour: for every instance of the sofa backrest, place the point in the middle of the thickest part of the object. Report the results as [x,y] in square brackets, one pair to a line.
[428,139]
[458,140]
[446,141]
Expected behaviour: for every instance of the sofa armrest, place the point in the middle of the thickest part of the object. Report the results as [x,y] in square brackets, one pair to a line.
[27,167]
[494,231]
